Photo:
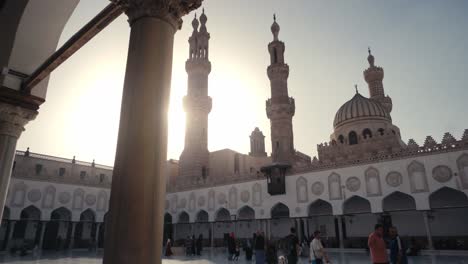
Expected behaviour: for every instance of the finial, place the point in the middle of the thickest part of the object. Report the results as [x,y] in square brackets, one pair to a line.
[274,17]
[368,50]
[370,58]
[355,87]
[195,15]
[203,10]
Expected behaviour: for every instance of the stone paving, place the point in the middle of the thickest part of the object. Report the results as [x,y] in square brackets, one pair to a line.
[93,258]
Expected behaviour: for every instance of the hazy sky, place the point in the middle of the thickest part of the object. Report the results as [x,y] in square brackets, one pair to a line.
[420,44]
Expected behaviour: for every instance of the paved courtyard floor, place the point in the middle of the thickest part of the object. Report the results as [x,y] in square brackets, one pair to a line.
[93,258]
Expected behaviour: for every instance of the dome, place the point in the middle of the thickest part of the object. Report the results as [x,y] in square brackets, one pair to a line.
[358,108]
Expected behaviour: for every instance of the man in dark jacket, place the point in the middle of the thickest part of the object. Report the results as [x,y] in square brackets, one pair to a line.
[292,243]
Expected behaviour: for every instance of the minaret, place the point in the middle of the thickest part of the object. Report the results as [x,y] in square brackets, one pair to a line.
[194,160]
[280,107]
[257,143]
[374,77]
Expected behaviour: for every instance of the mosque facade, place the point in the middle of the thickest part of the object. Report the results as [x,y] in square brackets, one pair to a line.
[363,175]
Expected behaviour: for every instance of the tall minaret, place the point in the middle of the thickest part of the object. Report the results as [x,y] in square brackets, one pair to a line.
[374,77]
[194,160]
[280,107]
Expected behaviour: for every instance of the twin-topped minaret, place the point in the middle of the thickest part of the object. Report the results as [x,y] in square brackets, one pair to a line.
[194,160]
[374,77]
[280,108]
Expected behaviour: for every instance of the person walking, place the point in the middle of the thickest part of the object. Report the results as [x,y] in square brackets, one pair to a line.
[293,246]
[168,252]
[397,248]
[231,246]
[188,246]
[378,250]
[193,245]
[259,248]
[271,254]
[317,252]
[199,244]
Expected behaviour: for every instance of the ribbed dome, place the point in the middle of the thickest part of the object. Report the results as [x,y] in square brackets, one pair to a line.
[360,107]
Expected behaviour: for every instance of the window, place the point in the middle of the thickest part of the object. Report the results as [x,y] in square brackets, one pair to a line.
[341,139]
[62,172]
[82,175]
[367,133]
[38,169]
[381,131]
[102,177]
[353,140]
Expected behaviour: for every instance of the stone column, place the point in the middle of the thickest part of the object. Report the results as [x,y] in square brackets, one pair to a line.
[12,122]
[41,236]
[212,234]
[340,230]
[428,230]
[72,238]
[135,227]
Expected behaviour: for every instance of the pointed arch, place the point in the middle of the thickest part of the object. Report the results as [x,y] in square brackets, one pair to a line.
[356,205]
[61,214]
[257,198]
[183,218]
[302,194]
[202,217]
[232,198]
[19,194]
[31,213]
[320,207]
[462,164]
[49,197]
[78,198]
[88,215]
[222,215]
[398,201]
[102,201]
[447,197]
[280,210]
[334,187]
[246,213]
[417,175]
[167,218]
[192,202]
[211,200]
[373,186]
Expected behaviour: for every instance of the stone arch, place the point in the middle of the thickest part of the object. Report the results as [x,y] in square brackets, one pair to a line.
[31,213]
[462,164]
[352,138]
[61,214]
[246,213]
[222,215]
[167,218]
[367,133]
[49,197]
[280,210]
[102,201]
[447,197]
[232,198]
[19,194]
[373,186]
[78,199]
[202,216]
[320,207]
[356,205]
[211,200]
[417,176]
[257,199]
[398,201]
[341,139]
[334,187]
[88,215]
[302,194]
[183,218]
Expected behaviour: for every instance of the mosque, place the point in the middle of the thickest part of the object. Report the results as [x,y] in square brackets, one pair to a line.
[364,174]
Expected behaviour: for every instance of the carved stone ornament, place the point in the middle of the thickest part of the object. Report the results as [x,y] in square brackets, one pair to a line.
[34,195]
[167,10]
[222,198]
[442,173]
[14,118]
[394,179]
[353,184]
[182,203]
[90,199]
[317,188]
[245,196]
[201,201]
[64,197]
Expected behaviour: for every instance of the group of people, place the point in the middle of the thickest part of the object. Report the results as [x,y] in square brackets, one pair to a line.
[378,247]
[193,247]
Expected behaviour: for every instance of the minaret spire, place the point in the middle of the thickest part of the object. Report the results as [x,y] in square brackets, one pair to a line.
[374,77]
[280,107]
[194,160]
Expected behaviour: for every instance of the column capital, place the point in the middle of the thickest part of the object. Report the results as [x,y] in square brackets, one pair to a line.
[170,11]
[14,118]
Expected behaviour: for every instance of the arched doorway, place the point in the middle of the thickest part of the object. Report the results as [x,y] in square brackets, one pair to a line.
[102,231]
[202,227]
[448,218]
[28,229]
[245,225]
[320,218]
[183,228]
[222,227]
[280,221]
[167,228]
[358,221]
[85,233]
[56,234]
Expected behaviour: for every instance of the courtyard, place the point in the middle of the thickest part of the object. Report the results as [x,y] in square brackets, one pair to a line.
[82,257]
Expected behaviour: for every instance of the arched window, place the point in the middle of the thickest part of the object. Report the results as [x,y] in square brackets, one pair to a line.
[367,133]
[381,131]
[341,139]
[352,138]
